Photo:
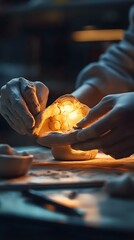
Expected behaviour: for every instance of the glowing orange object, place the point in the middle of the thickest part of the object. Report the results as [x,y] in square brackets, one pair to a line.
[98,35]
[61,117]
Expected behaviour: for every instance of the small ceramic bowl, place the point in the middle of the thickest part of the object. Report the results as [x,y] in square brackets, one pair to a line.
[14,165]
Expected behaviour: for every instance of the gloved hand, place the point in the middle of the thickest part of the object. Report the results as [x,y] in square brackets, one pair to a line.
[20,103]
[109,127]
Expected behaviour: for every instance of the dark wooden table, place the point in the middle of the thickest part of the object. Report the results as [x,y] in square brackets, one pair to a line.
[104,218]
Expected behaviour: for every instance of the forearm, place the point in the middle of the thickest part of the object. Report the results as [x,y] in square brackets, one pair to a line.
[114,72]
[88,94]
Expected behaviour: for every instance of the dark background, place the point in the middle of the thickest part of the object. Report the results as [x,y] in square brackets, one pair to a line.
[36,43]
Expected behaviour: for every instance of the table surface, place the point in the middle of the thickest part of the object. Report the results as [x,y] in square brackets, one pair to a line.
[104,215]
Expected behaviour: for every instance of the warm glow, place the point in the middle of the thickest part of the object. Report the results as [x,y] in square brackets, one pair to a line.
[73,115]
[97,35]
[62,115]
[66,108]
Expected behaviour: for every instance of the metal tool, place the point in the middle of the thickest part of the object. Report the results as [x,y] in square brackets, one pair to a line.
[51,186]
[45,201]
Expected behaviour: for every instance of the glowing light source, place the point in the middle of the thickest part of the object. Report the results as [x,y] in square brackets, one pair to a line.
[74,115]
[62,115]
[67,108]
[97,35]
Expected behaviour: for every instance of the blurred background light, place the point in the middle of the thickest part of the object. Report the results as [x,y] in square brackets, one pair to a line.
[98,35]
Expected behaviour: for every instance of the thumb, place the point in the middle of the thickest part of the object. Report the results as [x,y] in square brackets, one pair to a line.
[42,94]
[86,121]
[95,114]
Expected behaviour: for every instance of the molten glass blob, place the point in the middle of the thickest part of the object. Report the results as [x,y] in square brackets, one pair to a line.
[62,116]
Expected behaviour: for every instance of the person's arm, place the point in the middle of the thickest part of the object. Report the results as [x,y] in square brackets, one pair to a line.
[113,73]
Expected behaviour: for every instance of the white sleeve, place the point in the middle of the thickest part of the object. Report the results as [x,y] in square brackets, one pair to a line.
[114,72]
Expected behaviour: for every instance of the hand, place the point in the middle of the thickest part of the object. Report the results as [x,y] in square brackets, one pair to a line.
[109,127]
[20,103]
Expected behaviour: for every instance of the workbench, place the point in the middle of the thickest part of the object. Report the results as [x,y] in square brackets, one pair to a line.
[104,217]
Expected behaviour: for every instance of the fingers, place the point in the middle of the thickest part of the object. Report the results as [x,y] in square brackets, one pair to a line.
[28,91]
[42,93]
[35,94]
[12,100]
[15,121]
[124,153]
[56,138]
[21,101]
[99,128]
[114,143]
[18,108]
[103,107]
[85,146]
[11,124]
[123,148]
[83,135]
[102,142]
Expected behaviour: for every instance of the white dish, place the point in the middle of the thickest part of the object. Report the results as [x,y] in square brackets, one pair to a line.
[14,165]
